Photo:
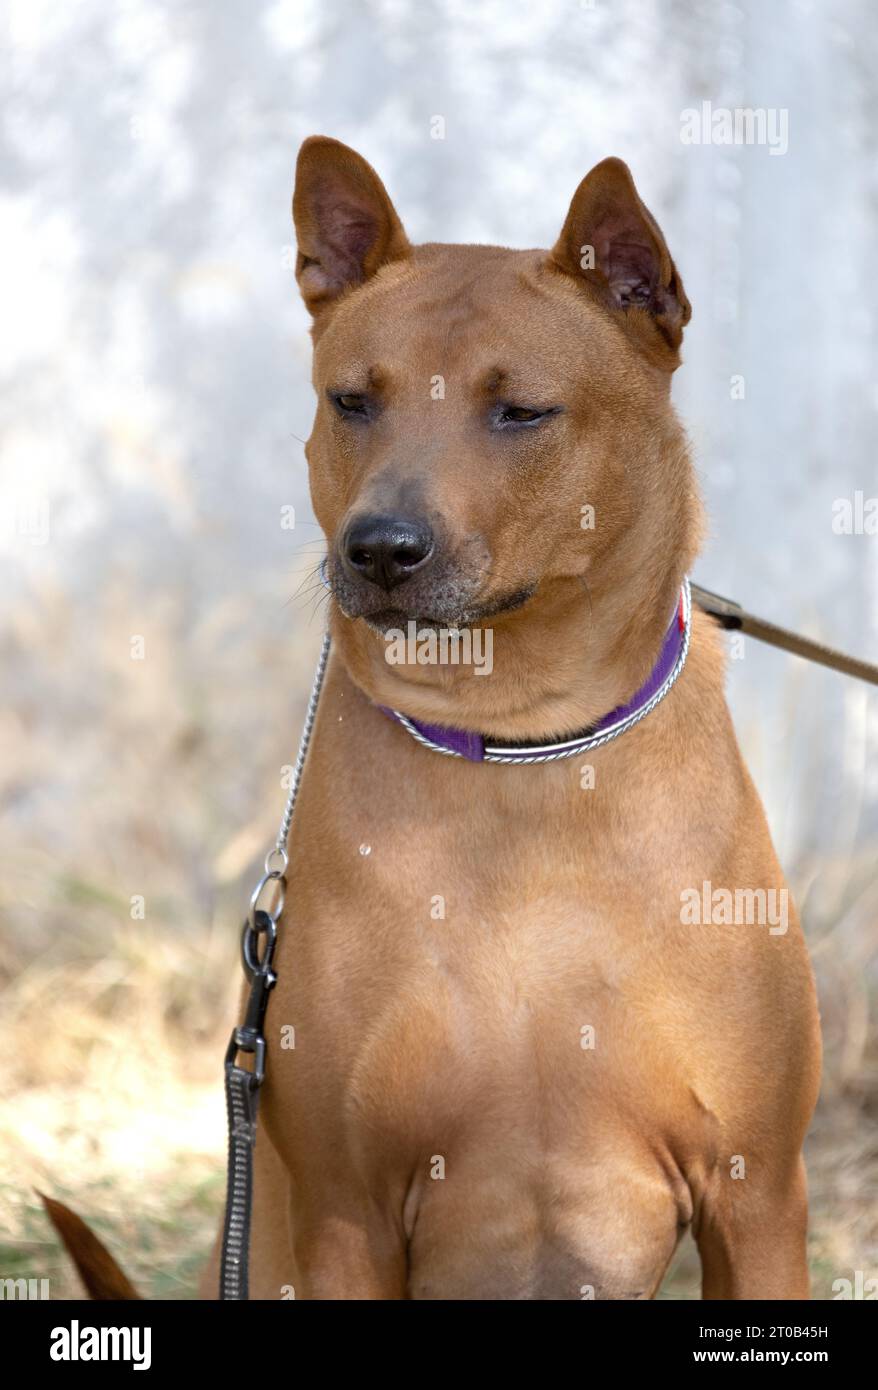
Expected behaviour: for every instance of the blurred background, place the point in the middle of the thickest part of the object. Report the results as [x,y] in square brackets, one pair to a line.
[159,625]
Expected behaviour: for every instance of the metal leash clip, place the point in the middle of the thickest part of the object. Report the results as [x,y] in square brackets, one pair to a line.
[249,1036]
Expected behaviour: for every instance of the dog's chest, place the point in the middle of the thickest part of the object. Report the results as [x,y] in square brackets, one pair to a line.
[526,1006]
[510,962]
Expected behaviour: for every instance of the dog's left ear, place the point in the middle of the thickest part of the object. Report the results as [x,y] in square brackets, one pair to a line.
[611,240]
[346,226]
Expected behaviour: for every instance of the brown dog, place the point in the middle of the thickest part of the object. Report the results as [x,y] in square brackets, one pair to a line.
[522,1066]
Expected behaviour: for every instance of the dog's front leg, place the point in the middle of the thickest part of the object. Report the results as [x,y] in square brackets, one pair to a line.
[348,1254]
[752,1237]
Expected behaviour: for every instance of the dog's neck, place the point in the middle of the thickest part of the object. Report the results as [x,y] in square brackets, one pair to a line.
[574,652]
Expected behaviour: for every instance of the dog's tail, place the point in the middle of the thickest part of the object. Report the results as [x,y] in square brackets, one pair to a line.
[102,1277]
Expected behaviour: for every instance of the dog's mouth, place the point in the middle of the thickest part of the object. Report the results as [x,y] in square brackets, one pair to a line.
[449,604]
[384,620]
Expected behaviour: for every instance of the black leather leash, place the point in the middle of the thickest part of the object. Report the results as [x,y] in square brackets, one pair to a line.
[242,1103]
[242,1084]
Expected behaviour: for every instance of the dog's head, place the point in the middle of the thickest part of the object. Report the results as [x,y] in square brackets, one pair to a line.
[493,426]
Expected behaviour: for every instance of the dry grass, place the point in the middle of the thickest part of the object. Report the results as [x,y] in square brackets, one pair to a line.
[116,1105]
[158,779]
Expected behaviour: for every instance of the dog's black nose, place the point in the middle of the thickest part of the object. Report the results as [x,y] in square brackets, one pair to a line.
[387,549]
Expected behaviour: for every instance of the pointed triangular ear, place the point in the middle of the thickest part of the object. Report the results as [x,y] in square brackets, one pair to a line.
[346,226]
[614,242]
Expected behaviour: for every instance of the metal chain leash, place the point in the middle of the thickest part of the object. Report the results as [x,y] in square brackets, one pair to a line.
[242,1083]
[277,859]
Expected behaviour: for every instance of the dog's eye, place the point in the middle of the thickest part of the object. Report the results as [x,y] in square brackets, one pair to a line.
[349,403]
[520,415]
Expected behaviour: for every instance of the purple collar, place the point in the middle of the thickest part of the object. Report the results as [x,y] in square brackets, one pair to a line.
[457,743]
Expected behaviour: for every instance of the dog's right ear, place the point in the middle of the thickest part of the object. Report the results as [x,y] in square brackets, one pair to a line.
[346,225]
[611,241]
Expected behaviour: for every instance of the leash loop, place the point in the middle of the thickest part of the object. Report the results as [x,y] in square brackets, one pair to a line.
[270,876]
[278,852]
